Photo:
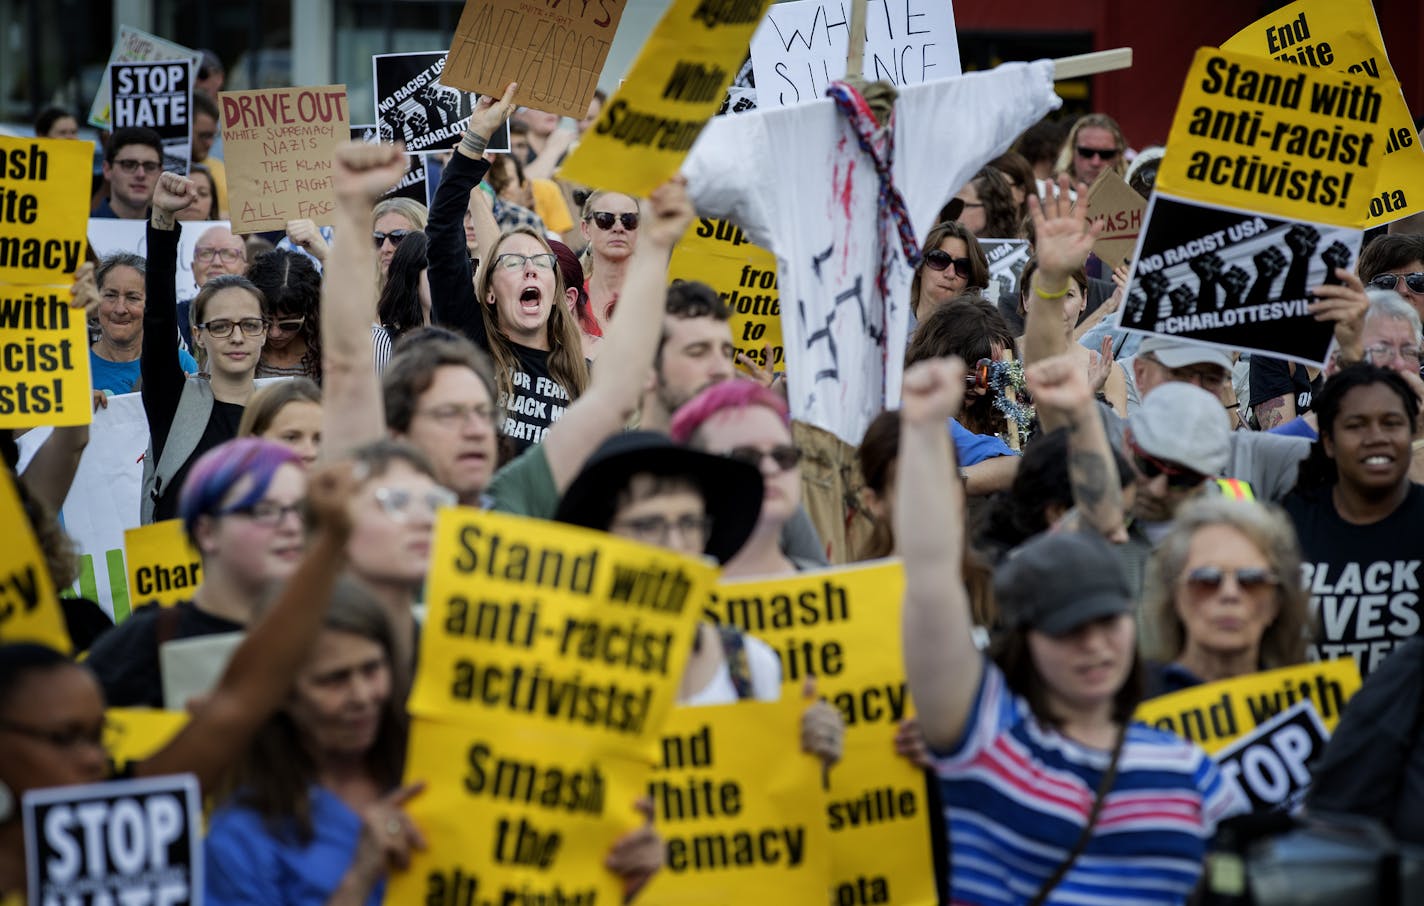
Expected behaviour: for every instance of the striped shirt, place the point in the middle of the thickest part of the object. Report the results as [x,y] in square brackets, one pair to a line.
[1017,795]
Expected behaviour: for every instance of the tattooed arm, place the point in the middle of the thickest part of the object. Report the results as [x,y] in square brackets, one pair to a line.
[1275,412]
[1059,384]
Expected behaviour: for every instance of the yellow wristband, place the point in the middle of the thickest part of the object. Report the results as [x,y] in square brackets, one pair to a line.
[1038,291]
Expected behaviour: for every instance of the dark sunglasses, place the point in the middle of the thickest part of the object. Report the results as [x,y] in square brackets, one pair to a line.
[1414,281]
[1178,477]
[939,259]
[1248,578]
[290,325]
[785,456]
[395,236]
[604,220]
[1102,153]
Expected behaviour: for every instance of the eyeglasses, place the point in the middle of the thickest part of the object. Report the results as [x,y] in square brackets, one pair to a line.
[1179,478]
[1382,353]
[1100,153]
[395,236]
[1414,281]
[939,259]
[604,220]
[1205,579]
[399,503]
[66,738]
[452,415]
[288,325]
[658,529]
[512,261]
[269,512]
[784,455]
[129,165]
[252,327]
[1210,378]
[230,256]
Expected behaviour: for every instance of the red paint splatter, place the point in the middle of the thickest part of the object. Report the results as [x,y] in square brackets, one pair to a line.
[845,191]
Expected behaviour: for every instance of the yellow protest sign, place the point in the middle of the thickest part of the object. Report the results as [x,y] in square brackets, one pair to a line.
[843,627]
[29,608]
[44,358]
[718,253]
[740,808]
[1344,36]
[1257,135]
[279,143]
[1214,715]
[133,734]
[514,814]
[552,626]
[44,210]
[648,126]
[555,54]
[164,567]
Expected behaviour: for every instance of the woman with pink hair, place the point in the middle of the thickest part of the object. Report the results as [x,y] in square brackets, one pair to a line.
[745,421]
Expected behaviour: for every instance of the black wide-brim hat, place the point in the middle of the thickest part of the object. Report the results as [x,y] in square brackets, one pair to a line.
[731,490]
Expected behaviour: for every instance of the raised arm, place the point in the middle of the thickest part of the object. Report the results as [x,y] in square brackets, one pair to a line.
[159,368]
[259,677]
[1059,385]
[452,292]
[941,662]
[351,412]
[626,357]
[1063,238]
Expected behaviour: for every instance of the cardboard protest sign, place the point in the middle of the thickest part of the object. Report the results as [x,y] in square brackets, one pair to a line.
[44,204]
[1344,36]
[29,610]
[415,184]
[800,48]
[718,253]
[157,95]
[554,627]
[1214,715]
[107,236]
[44,358]
[414,106]
[843,627]
[1271,764]
[1119,208]
[515,815]
[740,808]
[133,45]
[279,144]
[555,54]
[128,841]
[163,566]
[676,84]
[133,734]
[1262,156]
[1006,258]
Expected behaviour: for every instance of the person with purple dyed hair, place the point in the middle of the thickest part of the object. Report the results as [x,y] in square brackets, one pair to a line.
[747,422]
[241,507]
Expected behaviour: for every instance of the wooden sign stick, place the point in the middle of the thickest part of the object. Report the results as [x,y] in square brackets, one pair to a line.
[855,55]
[1092,63]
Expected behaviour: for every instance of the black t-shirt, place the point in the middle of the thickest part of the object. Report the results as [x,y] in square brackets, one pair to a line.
[1271,378]
[126,658]
[1363,579]
[222,427]
[537,401]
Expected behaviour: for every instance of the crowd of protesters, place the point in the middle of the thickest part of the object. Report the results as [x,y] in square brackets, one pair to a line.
[1179,514]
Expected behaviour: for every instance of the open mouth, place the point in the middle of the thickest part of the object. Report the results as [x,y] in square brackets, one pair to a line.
[530,299]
